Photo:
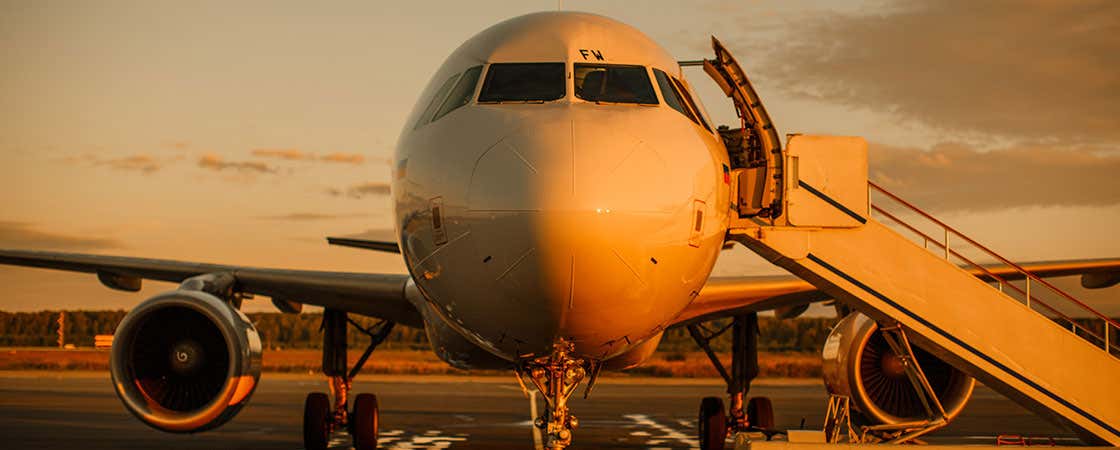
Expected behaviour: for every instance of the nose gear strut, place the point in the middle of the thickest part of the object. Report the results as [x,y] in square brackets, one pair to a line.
[556,376]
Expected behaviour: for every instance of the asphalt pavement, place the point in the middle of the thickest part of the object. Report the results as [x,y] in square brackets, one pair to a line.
[55,410]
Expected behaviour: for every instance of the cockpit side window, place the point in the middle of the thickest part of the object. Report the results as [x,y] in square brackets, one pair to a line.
[684,93]
[523,82]
[461,94]
[614,83]
[436,100]
[671,95]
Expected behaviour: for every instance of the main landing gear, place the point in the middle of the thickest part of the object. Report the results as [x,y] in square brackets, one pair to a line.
[319,418]
[715,423]
[556,376]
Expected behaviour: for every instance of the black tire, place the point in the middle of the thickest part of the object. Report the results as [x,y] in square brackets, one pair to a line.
[316,421]
[760,412]
[713,424]
[364,422]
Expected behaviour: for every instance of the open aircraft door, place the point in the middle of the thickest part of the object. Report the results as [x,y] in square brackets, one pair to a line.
[755,148]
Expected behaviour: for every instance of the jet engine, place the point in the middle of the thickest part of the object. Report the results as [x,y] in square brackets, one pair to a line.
[859,364]
[185,361]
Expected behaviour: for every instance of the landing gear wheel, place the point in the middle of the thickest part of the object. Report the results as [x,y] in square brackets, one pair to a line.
[713,424]
[316,421]
[761,412]
[364,422]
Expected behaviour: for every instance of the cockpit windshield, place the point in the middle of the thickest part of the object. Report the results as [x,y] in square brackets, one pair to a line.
[615,84]
[523,82]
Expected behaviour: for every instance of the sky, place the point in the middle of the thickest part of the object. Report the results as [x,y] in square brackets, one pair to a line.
[245,132]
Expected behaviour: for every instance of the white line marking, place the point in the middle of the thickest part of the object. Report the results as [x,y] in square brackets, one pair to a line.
[537,444]
[665,433]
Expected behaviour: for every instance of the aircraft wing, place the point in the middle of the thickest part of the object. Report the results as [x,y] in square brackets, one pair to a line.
[729,296]
[377,295]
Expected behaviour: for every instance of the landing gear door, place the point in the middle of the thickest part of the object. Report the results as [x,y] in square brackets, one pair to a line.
[755,148]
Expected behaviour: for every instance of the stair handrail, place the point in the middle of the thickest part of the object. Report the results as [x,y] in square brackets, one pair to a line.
[1028,276]
[998,279]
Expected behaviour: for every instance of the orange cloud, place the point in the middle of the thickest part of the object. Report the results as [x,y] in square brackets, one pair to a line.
[290,154]
[217,163]
[361,190]
[26,235]
[347,158]
[299,155]
[140,162]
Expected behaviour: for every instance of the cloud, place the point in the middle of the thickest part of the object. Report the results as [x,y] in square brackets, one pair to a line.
[289,154]
[361,190]
[299,155]
[956,177]
[1039,70]
[140,162]
[217,163]
[25,235]
[305,216]
[346,158]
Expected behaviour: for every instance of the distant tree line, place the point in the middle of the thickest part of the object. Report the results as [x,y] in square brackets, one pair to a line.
[279,331]
[301,331]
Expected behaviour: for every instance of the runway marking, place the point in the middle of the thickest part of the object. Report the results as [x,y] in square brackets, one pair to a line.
[431,439]
[397,440]
[339,439]
[537,444]
[663,434]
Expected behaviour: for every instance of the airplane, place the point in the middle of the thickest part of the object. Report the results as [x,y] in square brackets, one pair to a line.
[561,196]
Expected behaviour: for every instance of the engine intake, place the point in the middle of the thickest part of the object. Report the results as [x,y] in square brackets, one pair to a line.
[859,364]
[185,361]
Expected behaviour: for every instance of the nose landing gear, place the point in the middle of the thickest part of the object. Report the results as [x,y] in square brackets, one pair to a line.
[716,424]
[556,376]
[319,419]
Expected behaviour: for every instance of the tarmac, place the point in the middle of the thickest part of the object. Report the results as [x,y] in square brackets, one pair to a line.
[67,410]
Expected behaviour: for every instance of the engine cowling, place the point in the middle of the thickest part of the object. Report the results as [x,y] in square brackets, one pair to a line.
[859,364]
[185,361]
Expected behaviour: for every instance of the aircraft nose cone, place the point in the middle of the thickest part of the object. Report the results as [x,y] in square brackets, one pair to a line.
[574,222]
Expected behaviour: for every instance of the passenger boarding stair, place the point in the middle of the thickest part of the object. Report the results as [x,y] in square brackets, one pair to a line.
[1014,333]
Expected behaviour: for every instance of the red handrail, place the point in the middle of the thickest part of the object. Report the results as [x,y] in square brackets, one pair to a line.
[1030,276]
[989,273]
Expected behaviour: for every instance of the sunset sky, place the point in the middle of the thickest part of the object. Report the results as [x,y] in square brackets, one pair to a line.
[244,132]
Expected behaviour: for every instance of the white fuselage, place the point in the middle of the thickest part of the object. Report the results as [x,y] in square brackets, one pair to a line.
[595,222]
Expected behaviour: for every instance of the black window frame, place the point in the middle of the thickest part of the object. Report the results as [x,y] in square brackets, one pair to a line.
[692,103]
[644,70]
[665,84]
[490,73]
[437,100]
[462,93]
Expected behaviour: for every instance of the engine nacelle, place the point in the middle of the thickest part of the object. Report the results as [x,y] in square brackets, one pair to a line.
[859,364]
[185,361]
